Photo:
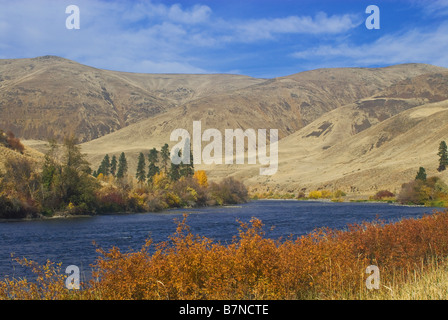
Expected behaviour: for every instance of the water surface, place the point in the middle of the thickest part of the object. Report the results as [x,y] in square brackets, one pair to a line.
[70,240]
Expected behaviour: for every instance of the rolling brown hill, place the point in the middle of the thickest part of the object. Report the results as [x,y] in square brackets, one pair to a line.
[287,104]
[375,143]
[51,97]
[382,156]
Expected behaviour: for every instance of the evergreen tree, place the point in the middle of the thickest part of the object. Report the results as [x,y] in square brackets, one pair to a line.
[104,167]
[443,156]
[113,166]
[165,155]
[122,166]
[68,180]
[421,174]
[50,166]
[174,173]
[153,159]
[141,173]
[187,169]
[175,169]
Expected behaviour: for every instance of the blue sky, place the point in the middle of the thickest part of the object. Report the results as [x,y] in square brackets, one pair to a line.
[259,38]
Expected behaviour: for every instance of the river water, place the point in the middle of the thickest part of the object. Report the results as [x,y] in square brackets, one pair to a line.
[70,241]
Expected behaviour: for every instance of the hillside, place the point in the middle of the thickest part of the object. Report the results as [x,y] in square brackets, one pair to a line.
[310,150]
[29,153]
[51,97]
[356,129]
[382,156]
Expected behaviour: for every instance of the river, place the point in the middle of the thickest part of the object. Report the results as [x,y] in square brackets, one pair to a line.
[70,241]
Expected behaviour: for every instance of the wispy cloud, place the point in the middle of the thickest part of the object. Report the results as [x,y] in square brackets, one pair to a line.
[144,36]
[320,24]
[437,7]
[415,45]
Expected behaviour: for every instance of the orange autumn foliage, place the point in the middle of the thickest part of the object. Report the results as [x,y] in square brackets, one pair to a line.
[201,177]
[325,264]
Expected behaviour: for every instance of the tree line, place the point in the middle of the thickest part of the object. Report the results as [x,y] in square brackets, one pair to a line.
[158,161]
[65,184]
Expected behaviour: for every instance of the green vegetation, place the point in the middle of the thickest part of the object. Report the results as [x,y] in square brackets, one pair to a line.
[122,166]
[65,184]
[430,192]
[443,156]
[421,174]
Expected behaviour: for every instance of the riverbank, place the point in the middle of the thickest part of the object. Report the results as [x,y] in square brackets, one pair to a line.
[327,264]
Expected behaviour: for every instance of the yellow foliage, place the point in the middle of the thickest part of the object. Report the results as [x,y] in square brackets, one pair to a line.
[201,177]
[172,199]
[161,181]
[315,194]
[326,194]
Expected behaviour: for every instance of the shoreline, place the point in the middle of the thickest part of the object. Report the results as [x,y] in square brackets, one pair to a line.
[64,215]
[169,210]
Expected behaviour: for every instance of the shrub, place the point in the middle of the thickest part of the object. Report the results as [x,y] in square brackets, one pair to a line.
[14,143]
[324,264]
[339,194]
[301,195]
[326,194]
[315,194]
[228,191]
[422,192]
[383,195]
[110,199]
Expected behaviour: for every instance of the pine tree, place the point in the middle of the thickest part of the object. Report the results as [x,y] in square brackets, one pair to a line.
[122,166]
[187,169]
[113,166]
[174,173]
[443,154]
[175,169]
[153,159]
[165,154]
[421,174]
[141,173]
[104,167]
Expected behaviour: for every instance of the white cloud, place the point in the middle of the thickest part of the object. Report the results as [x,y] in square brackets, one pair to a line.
[423,46]
[437,7]
[320,24]
[197,14]
[143,36]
